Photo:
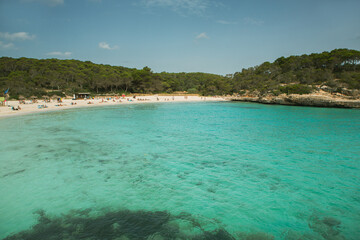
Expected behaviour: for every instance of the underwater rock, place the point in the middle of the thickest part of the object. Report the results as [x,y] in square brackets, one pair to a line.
[13,173]
[134,225]
[220,234]
[125,225]
[102,161]
[115,227]
[155,236]
[255,236]
[181,176]
[328,227]
[199,183]
[259,236]
[331,222]
[295,235]
[262,175]
[186,228]
[122,238]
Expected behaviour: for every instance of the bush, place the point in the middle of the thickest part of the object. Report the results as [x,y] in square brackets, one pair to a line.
[352,79]
[276,92]
[59,93]
[192,91]
[296,89]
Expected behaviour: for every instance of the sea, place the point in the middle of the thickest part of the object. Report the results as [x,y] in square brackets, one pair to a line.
[204,170]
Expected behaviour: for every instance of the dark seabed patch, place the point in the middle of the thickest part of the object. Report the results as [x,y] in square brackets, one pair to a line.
[125,224]
[13,173]
[327,227]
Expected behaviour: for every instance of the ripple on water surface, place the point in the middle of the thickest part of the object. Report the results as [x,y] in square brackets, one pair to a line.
[186,171]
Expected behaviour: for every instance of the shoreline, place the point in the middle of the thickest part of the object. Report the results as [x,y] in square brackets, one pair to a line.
[310,100]
[29,107]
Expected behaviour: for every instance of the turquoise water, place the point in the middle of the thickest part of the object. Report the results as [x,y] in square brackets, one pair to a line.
[253,171]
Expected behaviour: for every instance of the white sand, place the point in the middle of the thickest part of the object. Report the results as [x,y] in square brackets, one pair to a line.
[29,107]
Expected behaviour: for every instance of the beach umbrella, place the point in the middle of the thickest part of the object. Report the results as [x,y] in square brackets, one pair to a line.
[45,97]
[21,97]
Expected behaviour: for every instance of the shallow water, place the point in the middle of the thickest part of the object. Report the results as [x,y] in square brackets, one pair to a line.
[247,169]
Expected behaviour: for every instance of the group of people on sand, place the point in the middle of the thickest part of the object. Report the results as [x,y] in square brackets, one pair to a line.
[42,106]
[15,109]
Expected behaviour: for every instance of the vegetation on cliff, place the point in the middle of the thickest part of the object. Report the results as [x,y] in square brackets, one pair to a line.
[335,71]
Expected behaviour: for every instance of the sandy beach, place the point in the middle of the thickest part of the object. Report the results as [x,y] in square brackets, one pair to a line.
[53,105]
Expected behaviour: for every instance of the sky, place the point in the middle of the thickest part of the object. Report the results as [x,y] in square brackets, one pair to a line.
[212,36]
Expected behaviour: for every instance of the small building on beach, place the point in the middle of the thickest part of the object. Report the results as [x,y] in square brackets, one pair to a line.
[81,96]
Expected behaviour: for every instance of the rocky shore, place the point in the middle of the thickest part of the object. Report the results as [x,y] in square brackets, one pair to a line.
[319,99]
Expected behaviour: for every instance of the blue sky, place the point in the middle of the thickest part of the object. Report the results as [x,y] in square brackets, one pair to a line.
[177,35]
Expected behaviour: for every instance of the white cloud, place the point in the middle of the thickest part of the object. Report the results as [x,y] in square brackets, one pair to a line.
[226,22]
[180,6]
[6,45]
[253,21]
[105,45]
[59,54]
[47,2]
[16,36]
[202,36]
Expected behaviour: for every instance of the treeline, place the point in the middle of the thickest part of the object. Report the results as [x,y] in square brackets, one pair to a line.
[338,70]
[25,76]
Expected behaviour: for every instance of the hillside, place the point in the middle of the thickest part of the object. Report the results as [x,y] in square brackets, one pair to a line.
[337,71]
